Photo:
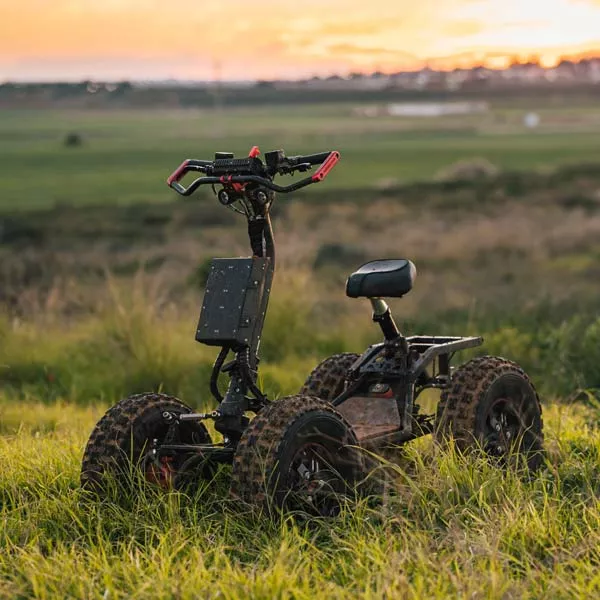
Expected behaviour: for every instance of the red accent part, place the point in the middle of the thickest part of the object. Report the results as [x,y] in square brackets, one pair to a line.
[388,394]
[179,173]
[254,152]
[161,474]
[226,181]
[324,169]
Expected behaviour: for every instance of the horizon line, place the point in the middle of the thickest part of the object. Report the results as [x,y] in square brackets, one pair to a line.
[463,61]
[514,59]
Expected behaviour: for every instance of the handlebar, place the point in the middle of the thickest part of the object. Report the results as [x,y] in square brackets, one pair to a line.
[236,171]
[312,159]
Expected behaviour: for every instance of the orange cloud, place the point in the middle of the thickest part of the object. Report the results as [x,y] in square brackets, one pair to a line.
[271,38]
[463,28]
[349,49]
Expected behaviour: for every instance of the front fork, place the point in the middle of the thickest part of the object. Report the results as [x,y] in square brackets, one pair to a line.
[231,420]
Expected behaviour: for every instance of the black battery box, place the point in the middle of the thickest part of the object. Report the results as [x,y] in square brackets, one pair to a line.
[234,302]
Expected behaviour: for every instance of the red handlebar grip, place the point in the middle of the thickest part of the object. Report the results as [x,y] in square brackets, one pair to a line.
[324,169]
[178,173]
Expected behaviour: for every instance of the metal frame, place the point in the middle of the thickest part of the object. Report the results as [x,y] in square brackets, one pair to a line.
[405,360]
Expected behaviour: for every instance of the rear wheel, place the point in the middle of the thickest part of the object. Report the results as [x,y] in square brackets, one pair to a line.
[328,379]
[121,443]
[297,454]
[491,404]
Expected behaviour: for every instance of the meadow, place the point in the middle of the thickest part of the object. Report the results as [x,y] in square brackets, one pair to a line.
[101,273]
[126,156]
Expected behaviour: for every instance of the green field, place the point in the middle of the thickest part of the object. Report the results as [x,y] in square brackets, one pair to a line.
[127,156]
[100,283]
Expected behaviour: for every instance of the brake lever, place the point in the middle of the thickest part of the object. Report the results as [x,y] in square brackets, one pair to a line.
[303,167]
[290,168]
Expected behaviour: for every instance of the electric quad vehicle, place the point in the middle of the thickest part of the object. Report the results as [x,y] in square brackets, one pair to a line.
[307,451]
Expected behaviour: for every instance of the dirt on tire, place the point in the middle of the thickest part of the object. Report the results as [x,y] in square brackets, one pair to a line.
[259,453]
[461,406]
[328,379]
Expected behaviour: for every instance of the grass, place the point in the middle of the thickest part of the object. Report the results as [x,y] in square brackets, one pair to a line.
[132,340]
[447,527]
[100,302]
[450,527]
[127,155]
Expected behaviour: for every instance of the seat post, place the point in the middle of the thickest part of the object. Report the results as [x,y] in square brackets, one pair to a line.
[383,315]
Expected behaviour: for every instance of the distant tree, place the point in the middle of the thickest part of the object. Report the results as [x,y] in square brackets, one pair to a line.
[565,62]
[73,140]
[123,86]
[515,61]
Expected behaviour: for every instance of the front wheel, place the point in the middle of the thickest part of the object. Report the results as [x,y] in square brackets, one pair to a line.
[491,404]
[297,454]
[120,444]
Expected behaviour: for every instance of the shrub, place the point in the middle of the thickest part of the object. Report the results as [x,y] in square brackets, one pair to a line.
[466,170]
[514,344]
[73,140]
[199,276]
[343,255]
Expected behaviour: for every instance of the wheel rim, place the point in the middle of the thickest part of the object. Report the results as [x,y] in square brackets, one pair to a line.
[504,427]
[314,482]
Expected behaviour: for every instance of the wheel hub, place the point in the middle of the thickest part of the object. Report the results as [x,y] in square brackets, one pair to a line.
[504,422]
[312,482]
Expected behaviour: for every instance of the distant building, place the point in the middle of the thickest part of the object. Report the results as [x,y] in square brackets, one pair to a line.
[435,109]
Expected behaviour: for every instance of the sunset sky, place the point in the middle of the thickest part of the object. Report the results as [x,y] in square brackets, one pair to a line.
[247,39]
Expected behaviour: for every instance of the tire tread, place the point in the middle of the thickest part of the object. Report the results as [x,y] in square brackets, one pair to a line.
[258,450]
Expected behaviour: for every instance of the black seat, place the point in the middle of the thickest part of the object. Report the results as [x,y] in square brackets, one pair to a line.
[391,278]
